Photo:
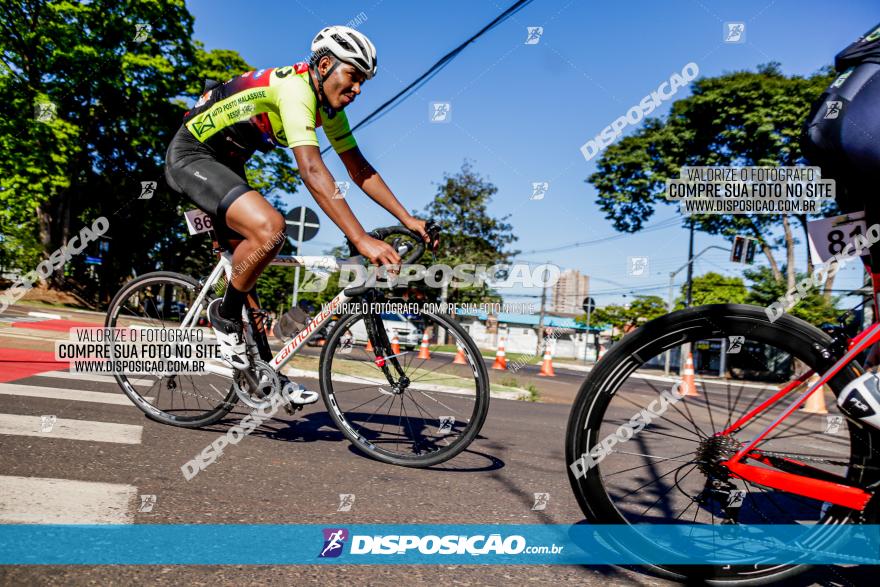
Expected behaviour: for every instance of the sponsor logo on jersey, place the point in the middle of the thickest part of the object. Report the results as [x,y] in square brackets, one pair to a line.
[204,125]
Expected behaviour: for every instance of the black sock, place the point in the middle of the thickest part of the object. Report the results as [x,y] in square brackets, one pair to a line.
[233,300]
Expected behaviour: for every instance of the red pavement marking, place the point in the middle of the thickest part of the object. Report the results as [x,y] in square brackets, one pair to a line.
[20,363]
[59,325]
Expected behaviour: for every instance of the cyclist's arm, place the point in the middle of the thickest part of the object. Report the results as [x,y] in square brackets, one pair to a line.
[369,180]
[320,183]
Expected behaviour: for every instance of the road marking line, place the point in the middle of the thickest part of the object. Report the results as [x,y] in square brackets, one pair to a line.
[36,500]
[14,424]
[92,377]
[44,315]
[76,395]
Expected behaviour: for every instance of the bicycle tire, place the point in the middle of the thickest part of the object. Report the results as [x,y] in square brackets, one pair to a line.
[474,425]
[796,336]
[196,421]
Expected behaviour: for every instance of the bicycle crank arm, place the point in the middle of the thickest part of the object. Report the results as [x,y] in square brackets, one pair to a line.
[230,373]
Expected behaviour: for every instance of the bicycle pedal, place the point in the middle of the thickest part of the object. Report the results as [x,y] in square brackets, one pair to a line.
[292,409]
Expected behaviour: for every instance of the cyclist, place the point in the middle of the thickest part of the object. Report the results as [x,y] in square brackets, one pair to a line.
[842,132]
[261,110]
[842,136]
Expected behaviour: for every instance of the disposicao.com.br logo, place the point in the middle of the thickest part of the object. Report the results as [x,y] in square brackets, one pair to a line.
[402,544]
[334,540]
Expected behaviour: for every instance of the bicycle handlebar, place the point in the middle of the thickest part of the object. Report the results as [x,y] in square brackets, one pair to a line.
[410,252]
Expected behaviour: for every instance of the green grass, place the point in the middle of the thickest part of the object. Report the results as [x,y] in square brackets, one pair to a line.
[512,383]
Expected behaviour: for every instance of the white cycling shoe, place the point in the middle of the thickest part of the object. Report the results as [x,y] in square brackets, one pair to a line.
[296,393]
[229,337]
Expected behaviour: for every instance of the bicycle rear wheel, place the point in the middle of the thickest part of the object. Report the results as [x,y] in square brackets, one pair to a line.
[668,472]
[421,415]
[161,300]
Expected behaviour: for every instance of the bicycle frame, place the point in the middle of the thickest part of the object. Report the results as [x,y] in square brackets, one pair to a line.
[291,347]
[823,486]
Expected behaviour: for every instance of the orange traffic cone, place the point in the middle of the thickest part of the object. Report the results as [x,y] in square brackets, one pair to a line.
[395,345]
[688,383]
[547,365]
[424,353]
[369,347]
[500,358]
[459,356]
[815,404]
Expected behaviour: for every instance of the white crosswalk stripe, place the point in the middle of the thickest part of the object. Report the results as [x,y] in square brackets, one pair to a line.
[37,500]
[117,399]
[95,378]
[49,498]
[15,424]
[11,319]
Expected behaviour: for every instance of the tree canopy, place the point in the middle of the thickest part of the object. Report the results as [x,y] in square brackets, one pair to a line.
[739,118]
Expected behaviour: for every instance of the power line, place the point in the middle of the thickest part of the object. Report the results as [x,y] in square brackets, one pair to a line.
[440,64]
[664,224]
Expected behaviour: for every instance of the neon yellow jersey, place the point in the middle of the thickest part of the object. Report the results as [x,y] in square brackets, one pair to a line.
[261,110]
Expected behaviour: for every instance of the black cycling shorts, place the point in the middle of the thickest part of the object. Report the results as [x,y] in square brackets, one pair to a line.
[211,182]
[842,136]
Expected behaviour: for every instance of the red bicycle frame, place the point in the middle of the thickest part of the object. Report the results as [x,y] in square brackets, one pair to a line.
[813,483]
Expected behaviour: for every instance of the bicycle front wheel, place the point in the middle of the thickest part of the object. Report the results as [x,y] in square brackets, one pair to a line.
[161,300]
[415,408]
[666,468]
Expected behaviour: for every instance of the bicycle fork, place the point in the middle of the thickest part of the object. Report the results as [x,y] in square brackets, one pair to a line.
[382,350]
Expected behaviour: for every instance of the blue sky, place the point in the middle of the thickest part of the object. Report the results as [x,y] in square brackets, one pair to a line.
[521,112]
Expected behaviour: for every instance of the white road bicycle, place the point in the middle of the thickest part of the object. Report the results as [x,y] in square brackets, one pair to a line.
[414,408]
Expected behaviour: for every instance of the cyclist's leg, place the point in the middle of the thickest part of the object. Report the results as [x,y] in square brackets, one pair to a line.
[261,227]
[842,136]
[214,186]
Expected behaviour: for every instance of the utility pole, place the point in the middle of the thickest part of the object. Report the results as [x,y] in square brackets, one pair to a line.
[541,318]
[690,266]
[444,292]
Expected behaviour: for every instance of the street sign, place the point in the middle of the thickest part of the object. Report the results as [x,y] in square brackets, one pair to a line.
[302,224]
[589,304]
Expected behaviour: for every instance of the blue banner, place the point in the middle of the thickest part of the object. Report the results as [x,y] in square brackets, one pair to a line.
[437,544]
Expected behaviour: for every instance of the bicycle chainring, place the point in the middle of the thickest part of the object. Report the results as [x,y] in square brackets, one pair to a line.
[269,386]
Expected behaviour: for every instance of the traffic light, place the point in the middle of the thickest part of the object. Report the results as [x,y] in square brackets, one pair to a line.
[739,244]
[751,249]
[744,249]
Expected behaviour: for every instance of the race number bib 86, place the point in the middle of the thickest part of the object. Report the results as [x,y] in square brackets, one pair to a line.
[198,221]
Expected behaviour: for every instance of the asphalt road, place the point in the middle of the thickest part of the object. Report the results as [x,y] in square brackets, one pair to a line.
[290,470]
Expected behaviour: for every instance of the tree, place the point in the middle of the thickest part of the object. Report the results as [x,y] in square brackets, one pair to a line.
[813,307]
[119,98]
[714,288]
[740,118]
[470,234]
[641,310]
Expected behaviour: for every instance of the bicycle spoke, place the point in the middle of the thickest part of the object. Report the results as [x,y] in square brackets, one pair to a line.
[662,417]
[436,400]
[664,459]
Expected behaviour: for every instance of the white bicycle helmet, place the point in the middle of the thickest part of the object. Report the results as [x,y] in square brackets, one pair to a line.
[349,46]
